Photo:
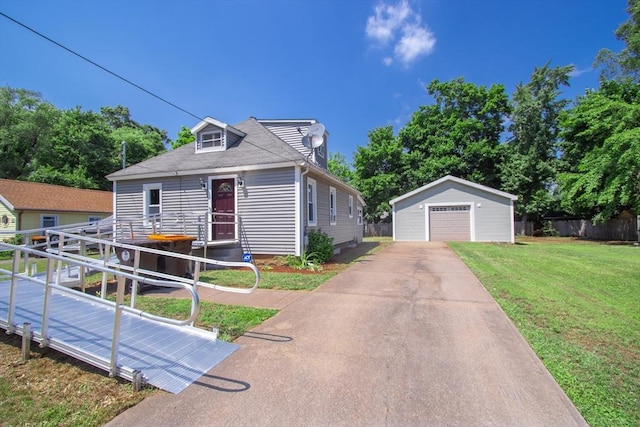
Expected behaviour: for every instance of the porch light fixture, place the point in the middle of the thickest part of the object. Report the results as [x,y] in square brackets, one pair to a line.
[203,184]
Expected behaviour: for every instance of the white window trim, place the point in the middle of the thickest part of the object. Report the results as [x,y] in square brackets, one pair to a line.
[333,212]
[54,216]
[314,193]
[223,141]
[350,206]
[359,215]
[145,200]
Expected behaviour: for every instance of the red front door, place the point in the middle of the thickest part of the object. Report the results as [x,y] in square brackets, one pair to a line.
[224,204]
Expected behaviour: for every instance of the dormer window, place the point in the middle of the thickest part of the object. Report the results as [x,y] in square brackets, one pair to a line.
[213,140]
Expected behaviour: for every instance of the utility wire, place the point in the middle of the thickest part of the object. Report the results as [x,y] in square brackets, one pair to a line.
[100,66]
[84,58]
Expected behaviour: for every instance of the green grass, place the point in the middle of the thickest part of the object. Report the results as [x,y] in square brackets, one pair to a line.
[232,321]
[578,305]
[268,280]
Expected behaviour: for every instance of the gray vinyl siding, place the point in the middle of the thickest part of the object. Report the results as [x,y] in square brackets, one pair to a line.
[267,208]
[181,195]
[288,132]
[409,219]
[345,229]
[491,220]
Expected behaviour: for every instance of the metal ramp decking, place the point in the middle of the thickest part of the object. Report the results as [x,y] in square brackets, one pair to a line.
[168,357]
[126,342]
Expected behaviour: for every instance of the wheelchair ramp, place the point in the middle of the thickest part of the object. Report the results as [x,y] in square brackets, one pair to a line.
[168,357]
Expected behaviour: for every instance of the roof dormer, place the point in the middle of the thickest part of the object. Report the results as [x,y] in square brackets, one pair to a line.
[214,135]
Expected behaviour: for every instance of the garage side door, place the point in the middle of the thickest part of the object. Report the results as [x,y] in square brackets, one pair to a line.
[449,223]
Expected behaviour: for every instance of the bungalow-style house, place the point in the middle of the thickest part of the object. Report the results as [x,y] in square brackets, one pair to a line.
[261,189]
[32,205]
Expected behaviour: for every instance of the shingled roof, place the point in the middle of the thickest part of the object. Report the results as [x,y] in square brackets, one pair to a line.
[258,147]
[35,196]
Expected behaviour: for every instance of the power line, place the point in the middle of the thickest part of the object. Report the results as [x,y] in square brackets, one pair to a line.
[100,66]
[84,58]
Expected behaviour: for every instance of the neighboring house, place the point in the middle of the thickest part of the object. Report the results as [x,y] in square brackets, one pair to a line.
[32,205]
[452,209]
[271,188]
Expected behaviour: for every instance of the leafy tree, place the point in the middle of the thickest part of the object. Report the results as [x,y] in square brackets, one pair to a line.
[184,137]
[338,166]
[458,135]
[80,154]
[624,64]
[528,168]
[142,143]
[601,152]
[377,168]
[26,123]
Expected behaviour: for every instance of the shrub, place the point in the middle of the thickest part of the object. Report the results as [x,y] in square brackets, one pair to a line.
[320,245]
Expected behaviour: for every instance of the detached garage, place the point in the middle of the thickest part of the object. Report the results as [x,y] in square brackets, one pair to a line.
[454,209]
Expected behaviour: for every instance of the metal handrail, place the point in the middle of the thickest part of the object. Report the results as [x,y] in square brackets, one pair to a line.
[198,262]
[109,269]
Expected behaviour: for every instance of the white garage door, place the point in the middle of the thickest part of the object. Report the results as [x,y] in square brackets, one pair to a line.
[449,223]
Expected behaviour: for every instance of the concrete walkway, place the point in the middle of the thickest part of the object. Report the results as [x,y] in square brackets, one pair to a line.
[406,337]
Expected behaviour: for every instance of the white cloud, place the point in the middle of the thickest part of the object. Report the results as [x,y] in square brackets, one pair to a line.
[578,72]
[386,21]
[400,25]
[415,42]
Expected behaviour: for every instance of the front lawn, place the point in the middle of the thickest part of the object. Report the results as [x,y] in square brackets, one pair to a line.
[578,305]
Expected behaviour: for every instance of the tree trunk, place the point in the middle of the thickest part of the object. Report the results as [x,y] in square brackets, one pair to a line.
[523,229]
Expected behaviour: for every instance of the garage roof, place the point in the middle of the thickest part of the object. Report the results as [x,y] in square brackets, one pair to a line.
[459,181]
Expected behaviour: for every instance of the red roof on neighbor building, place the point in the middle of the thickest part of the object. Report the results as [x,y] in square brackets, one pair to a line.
[35,196]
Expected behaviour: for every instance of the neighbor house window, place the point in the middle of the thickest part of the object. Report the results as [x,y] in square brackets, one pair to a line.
[48,221]
[312,215]
[94,219]
[332,205]
[152,195]
[350,206]
[359,215]
[211,140]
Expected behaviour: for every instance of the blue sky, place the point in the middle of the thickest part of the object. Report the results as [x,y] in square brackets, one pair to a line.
[354,65]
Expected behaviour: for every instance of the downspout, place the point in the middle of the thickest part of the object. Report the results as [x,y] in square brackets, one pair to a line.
[300,245]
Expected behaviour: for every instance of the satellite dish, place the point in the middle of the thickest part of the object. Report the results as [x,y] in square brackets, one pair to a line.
[306,141]
[315,135]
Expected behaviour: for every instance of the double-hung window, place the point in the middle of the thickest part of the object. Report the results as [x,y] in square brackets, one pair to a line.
[350,206]
[359,215]
[312,208]
[48,221]
[332,206]
[152,198]
[211,140]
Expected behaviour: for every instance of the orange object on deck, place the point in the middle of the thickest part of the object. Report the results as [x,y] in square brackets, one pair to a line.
[171,237]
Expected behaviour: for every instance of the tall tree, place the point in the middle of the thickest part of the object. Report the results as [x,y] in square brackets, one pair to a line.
[601,152]
[377,169]
[458,135]
[529,165]
[626,63]
[80,154]
[26,123]
[184,137]
[338,166]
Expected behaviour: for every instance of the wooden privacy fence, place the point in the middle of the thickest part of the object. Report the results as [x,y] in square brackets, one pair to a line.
[379,229]
[614,229]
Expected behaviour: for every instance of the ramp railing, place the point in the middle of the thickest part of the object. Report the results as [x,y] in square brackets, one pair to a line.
[69,261]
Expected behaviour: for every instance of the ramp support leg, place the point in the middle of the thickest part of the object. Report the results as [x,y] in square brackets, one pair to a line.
[26,341]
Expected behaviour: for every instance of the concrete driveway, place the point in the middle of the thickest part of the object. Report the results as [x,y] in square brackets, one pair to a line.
[406,337]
